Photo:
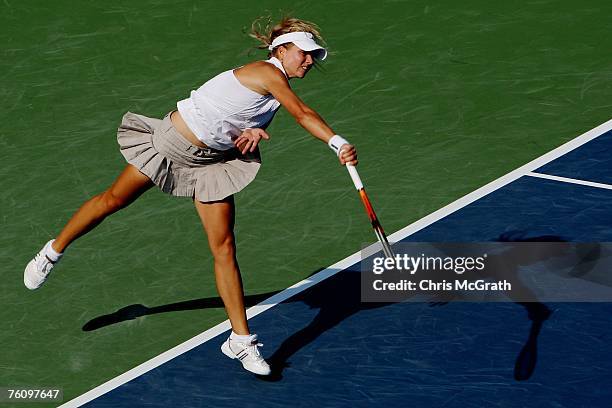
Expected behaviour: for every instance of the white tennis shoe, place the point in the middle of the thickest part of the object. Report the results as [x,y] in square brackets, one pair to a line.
[38,269]
[248,354]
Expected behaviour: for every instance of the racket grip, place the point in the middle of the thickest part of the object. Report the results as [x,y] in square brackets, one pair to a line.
[355,176]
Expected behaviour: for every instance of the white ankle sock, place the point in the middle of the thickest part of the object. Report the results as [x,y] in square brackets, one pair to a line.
[52,253]
[240,338]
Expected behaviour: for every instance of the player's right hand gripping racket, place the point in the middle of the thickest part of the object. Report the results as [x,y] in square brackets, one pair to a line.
[380,233]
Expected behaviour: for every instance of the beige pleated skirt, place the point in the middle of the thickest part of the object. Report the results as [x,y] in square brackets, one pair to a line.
[180,168]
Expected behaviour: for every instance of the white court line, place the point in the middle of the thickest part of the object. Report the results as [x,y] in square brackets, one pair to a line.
[338,266]
[569,180]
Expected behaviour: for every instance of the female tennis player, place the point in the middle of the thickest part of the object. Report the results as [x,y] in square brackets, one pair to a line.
[207,149]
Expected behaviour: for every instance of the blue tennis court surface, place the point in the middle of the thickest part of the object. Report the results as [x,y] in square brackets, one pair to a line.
[592,162]
[329,349]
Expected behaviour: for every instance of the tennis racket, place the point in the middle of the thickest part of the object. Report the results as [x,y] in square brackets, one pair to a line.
[378,229]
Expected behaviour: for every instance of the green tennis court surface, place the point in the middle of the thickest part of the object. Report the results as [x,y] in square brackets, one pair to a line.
[439,99]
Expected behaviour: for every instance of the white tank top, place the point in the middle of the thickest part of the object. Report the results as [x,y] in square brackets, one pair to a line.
[218,111]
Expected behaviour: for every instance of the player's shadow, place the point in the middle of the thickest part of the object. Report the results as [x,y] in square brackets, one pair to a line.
[338,298]
[333,309]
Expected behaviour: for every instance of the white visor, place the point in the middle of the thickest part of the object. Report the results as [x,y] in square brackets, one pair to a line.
[304,41]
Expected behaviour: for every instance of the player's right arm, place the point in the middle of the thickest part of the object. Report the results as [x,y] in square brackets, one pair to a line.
[274,82]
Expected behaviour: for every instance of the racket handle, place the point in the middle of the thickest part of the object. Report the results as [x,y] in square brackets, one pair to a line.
[355,176]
